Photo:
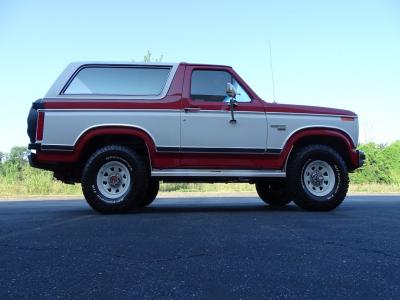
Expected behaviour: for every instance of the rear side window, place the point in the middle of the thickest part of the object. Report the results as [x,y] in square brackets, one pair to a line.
[211,86]
[138,81]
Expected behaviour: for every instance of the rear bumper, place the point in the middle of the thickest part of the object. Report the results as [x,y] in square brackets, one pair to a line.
[34,163]
[34,146]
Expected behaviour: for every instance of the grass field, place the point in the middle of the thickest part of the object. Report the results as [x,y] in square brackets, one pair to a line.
[59,189]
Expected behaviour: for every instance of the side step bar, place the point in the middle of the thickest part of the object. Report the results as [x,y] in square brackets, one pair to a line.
[216,173]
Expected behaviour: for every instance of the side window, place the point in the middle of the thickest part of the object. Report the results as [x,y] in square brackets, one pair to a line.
[140,81]
[211,86]
[241,95]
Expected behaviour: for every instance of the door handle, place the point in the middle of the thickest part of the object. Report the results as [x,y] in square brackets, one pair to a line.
[191,109]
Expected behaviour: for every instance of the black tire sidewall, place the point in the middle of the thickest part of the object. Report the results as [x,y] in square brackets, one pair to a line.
[94,197]
[273,193]
[151,193]
[301,195]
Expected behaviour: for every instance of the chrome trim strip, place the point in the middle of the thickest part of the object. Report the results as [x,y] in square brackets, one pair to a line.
[216,173]
[232,150]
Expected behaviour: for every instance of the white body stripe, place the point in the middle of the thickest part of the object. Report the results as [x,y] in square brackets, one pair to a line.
[205,129]
[65,127]
[277,137]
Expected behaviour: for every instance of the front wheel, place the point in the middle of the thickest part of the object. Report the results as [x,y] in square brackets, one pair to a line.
[318,178]
[114,179]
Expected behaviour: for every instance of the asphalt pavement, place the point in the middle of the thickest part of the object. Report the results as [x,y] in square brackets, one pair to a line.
[202,248]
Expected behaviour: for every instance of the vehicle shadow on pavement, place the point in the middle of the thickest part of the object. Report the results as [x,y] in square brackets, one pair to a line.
[213,204]
[216,209]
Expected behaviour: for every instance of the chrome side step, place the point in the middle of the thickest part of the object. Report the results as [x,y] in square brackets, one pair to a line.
[216,173]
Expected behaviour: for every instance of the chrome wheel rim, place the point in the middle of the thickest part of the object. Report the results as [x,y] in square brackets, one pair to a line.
[319,178]
[113,180]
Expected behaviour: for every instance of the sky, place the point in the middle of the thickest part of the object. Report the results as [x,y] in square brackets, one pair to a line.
[343,54]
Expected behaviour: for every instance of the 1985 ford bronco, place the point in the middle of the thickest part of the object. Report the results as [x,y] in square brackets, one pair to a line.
[121,128]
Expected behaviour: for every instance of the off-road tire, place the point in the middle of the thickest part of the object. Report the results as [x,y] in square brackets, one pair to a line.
[304,193]
[151,193]
[129,161]
[273,192]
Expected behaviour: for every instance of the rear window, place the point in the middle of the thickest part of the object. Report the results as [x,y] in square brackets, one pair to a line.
[138,81]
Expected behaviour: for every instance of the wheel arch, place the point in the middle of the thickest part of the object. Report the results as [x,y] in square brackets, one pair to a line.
[103,135]
[338,139]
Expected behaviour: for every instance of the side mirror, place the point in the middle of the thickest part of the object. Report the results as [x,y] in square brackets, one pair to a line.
[230,90]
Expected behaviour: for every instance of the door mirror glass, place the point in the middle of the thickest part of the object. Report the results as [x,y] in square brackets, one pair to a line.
[230,90]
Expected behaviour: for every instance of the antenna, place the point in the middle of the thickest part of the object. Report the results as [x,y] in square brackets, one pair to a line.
[272,71]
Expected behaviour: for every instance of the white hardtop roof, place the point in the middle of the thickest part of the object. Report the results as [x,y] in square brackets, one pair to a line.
[69,71]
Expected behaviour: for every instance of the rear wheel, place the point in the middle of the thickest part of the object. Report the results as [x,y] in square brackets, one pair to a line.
[273,192]
[114,179]
[151,192]
[318,178]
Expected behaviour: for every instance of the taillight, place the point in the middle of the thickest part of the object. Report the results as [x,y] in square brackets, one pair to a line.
[40,125]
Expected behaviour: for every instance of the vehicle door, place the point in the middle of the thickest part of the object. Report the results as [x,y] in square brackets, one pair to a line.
[209,135]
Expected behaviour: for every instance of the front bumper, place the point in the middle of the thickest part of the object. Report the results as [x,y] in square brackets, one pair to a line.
[357,159]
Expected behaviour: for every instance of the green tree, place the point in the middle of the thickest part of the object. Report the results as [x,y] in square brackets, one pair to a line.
[15,161]
[18,155]
[382,164]
[391,155]
[149,58]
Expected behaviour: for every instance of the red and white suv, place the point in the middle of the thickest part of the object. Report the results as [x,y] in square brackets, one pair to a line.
[120,128]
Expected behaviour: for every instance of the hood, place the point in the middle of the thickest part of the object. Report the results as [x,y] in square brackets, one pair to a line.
[305,109]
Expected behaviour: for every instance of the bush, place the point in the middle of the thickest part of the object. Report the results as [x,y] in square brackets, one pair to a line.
[382,164]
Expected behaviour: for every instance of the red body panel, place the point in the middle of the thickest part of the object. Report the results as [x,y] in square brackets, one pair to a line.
[40,126]
[303,109]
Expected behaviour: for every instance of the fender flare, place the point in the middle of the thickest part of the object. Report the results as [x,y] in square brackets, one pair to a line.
[100,130]
[318,132]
